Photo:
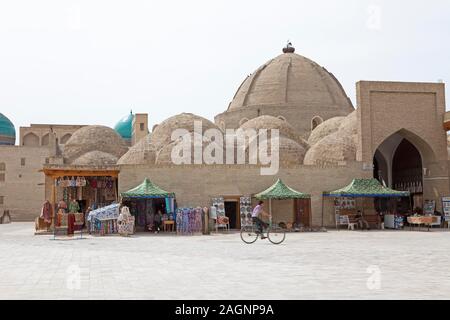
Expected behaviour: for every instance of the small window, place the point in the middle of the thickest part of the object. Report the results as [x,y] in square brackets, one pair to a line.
[2,199]
[22,162]
[2,166]
[47,160]
[2,177]
[142,126]
[315,122]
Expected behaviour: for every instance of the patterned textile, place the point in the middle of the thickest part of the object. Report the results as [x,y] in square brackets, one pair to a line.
[125,222]
[104,220]
[74,207]
[189,220]
[47,212]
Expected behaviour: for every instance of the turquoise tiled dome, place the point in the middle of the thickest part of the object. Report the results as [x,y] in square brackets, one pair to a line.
[124,126]
[7,131]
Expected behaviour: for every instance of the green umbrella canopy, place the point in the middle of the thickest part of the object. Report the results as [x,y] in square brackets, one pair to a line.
[147,190]
[370,188]
[280,191]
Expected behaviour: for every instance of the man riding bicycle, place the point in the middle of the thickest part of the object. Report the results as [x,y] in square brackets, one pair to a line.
[257,215]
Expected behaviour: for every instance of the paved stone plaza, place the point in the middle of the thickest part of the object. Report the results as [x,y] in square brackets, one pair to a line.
[342,265]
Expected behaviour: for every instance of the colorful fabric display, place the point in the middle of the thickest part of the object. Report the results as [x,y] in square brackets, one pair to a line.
[189,220]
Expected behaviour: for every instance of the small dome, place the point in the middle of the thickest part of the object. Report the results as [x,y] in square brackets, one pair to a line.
[270,122]
[143,152]
[7,131]
[162,135]
[125,127]
[290,151]
[349,125]
[334,149]
[96,158]
[94,138]
[324,129]
[165,154]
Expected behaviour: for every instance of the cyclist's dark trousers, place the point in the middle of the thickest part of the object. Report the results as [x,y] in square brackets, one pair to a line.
[259,224]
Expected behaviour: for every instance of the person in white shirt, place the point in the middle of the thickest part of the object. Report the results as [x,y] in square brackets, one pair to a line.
[257,215]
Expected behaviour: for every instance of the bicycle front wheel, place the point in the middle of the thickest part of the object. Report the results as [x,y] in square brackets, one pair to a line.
[276,235]
[249,235]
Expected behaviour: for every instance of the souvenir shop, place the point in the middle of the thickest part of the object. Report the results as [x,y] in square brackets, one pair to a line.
[377,204]
[154,209]
[80,191]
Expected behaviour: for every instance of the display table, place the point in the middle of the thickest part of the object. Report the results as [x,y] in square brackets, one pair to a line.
[169,224]
[421,220]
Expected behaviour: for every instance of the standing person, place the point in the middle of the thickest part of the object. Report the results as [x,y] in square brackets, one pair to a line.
[257,215]
[74,207]
[157,221]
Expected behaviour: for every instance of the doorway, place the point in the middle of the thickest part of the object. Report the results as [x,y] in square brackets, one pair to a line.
[302,212]
[231,211]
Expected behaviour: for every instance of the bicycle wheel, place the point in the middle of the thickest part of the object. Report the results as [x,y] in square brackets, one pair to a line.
[276,235]
[249,235]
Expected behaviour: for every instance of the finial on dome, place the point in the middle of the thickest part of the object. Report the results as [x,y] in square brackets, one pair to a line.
[289,48]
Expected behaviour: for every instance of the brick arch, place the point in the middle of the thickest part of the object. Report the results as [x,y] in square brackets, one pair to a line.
[426,151]
[45,139]
[31,140]
[315,121]
[65,138]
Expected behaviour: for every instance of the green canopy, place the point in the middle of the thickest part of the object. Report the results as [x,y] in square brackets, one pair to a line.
[370,188]
[280,191]
[147,190]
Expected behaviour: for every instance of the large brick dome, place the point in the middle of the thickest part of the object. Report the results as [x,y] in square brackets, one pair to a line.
[291,86]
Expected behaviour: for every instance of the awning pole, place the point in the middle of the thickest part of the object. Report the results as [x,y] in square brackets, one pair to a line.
[323,204]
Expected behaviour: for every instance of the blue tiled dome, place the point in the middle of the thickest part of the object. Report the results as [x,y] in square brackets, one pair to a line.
[7,131]
[124,126]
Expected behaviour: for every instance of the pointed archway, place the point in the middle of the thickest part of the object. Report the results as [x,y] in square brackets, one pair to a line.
[399,163]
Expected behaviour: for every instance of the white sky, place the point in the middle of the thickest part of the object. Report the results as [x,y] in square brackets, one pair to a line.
[90,62]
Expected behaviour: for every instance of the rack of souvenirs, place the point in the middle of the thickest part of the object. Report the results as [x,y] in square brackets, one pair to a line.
[189,221]
[246,211]
[345,203]
[93,182]
[411,186]
[103,221]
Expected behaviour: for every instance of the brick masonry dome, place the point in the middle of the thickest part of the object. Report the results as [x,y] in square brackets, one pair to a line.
[291,80]
[94,138]
[162,134]
[96,158]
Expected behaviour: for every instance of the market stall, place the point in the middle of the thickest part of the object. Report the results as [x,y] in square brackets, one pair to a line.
[364,188]
[152,207]
[280,191]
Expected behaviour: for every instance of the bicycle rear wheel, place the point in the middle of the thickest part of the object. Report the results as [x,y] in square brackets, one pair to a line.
[276,235]
[249,235]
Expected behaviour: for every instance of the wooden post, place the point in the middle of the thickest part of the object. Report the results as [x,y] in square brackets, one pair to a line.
[323,205]
[53,201]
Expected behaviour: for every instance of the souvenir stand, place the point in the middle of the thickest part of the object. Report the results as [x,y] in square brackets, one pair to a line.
[365,188]
[103,221]
[145,200]
[280,191]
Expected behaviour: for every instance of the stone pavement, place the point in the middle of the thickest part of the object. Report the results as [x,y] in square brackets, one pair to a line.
[333,265]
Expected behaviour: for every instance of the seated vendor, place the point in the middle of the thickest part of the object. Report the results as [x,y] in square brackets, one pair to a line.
[362,223]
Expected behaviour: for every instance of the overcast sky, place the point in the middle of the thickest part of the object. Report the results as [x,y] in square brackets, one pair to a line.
[90,62]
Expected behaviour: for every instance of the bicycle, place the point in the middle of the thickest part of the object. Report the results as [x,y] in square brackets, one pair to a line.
[275,234]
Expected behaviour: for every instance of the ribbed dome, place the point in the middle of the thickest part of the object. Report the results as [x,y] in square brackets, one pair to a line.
[324,129]
[94,138]
[290,152]
[125,126]
[96,158]
[143,152]
[162,134]
[334,149]
[7,131]
[165,154]
[292,80]
[269,122]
